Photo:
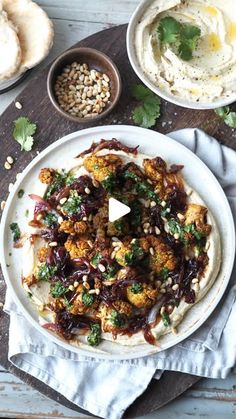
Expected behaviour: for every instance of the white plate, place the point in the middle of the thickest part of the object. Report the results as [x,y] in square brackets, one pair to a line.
[152,143]
[135,19]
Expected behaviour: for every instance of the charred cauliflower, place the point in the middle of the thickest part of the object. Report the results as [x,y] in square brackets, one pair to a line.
[77,248]
[141,295]
[162,257]
[102,166]
[46,175]
[196,214]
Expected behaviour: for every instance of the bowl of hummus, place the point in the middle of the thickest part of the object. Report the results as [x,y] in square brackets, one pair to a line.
[185,50]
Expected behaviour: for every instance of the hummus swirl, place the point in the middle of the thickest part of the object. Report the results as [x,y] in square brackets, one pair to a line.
[211,74]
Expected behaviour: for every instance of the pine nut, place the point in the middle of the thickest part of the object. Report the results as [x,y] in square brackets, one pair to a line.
[18,105]
[10,159]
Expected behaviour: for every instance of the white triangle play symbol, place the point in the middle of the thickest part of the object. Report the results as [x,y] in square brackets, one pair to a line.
[117,209]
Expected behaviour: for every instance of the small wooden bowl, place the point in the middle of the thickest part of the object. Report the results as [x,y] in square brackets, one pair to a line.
[95,60]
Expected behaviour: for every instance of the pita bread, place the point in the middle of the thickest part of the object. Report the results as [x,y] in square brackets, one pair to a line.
[35,30]
[10,50]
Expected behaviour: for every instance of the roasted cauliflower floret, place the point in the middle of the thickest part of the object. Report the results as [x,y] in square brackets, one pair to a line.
[56,304]
[162,257]
[114,318]
[77,248]
[46,175]
[80,227]
[141,295]
[42,254]
[83,302]
[155,169]
[67,226]
[102,166]
[123,307]
[196,214]
[129,253]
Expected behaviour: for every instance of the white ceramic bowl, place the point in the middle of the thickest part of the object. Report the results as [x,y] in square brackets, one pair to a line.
[137,15]
[154,144]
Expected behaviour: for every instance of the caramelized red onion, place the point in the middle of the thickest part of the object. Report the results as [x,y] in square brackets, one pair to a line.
[113,144]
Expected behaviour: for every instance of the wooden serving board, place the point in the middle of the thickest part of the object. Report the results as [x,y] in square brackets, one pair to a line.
[51,126]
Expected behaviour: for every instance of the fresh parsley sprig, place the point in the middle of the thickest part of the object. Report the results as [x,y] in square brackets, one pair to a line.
[181,37]
[23,133]
[228,116]
[146,114]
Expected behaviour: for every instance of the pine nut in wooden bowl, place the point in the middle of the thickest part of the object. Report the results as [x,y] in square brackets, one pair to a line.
[84,85]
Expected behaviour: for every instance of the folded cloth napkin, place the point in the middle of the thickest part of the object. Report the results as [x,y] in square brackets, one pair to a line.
[107,388]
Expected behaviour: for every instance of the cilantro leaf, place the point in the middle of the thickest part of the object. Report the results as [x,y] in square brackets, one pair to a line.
[182,37]
[168,30]
[228,117]
[23,133]
[146,114]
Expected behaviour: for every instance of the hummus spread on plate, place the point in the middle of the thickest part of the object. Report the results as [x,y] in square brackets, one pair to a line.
[131,280]
[211,74]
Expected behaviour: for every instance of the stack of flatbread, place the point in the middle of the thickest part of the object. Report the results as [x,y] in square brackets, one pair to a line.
[26,36]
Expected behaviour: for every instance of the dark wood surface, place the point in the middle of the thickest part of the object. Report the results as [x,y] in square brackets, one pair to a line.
[51,126]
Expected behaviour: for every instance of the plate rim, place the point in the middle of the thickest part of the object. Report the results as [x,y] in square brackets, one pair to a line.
[102,129]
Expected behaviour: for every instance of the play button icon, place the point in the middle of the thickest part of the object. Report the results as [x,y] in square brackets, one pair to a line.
[117,209]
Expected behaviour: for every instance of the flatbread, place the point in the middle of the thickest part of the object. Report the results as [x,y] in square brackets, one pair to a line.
[10,50]
[35,30]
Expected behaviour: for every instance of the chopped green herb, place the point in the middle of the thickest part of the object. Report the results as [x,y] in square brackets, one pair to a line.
[136,288]
[228,117]
[176,228]
[70,180]
[119,225]
[29,294]
[59,179]
[50,219]
[23,133]
[46,272]
[182,37]
[190,228]
[20,193]
[136,253]
[15,231]
[26,213]
[110,271]
[141,187]
[117,319]
[87,298]
[165,319]
[109,183]
[10,254]
[8,266]
[164,274]
[73,203]
[96,259]
[94,337]
[145,115]
[58,289]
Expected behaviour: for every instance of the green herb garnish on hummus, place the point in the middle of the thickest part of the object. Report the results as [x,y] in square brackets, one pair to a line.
[182,37]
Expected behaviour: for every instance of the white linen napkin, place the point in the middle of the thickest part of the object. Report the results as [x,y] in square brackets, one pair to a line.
[107,388]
